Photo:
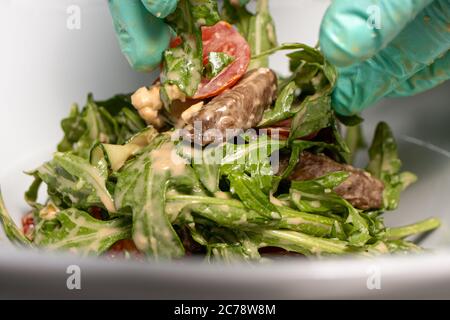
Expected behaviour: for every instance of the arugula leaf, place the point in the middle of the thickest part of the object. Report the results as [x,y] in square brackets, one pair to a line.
[261,34]
[305,54]
[79,184]
[13,232]
[231,213]
[183,65]
[412,229]
[355,141]
[301,243]
[129,187]
[256,158]
[232,253]
[79,232]
[402,247]
[383,153]
[343,151]
[32,193]
[205,162]
[258,29]
[130,123]
[74,127]
[385,164]
[115,156]
[82,130]
[217,61]
[101,127]
[318,196]
[298,146]
[314,114]
[284,107]
[205,12]
[142,186]
[282,47]
[228,246]
[237,15]
[350,121]
[252,197]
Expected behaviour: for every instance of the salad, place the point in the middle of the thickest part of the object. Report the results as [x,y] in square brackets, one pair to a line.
[221,157]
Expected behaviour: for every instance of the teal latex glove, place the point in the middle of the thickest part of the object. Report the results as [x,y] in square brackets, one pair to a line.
[408,54]
[143,35]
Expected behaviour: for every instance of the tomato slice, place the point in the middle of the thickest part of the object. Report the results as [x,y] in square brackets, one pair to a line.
[222,37]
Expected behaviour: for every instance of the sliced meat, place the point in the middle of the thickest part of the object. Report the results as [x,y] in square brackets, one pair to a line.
[361,189]
[238,108]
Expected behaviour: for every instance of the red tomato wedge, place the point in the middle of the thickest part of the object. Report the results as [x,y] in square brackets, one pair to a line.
[222,37]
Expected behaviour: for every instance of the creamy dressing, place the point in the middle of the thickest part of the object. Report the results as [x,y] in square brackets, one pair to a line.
[295,221]
[275,201]
[166,159]
[49,212]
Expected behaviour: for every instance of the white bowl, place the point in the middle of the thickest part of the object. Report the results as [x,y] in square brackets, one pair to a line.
[46,66]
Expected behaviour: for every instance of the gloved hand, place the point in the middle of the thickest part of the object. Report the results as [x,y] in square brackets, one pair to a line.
[408,54]
[142,33]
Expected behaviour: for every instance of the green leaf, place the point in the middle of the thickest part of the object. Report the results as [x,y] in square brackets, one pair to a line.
[141,188]
[79,232]
[282,47]
[402,247]
[298,146]
[301,243]
[385,164]
[80,184]
[237,15]
[314,114]
[205,162]
[13,232]
[252,196]
[73,127]
[318,196]
[412,229]
[130,180]
[350,121]
[101,127]
[32,193]
[228,246]
[130,123]
[261,34]
[116,104]
[306,54]
[253,158]
[115,156]
[383,153]
[283,109]
[183,65]
[355,141]
[217,61]
[205,12]
[343,151]
[111,121]
[231,213]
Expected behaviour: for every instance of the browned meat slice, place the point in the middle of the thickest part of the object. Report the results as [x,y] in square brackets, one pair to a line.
[241,107]
[361,189]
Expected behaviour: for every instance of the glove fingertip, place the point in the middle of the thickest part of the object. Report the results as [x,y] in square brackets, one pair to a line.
[160,8]
[332,47]
[347,99]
